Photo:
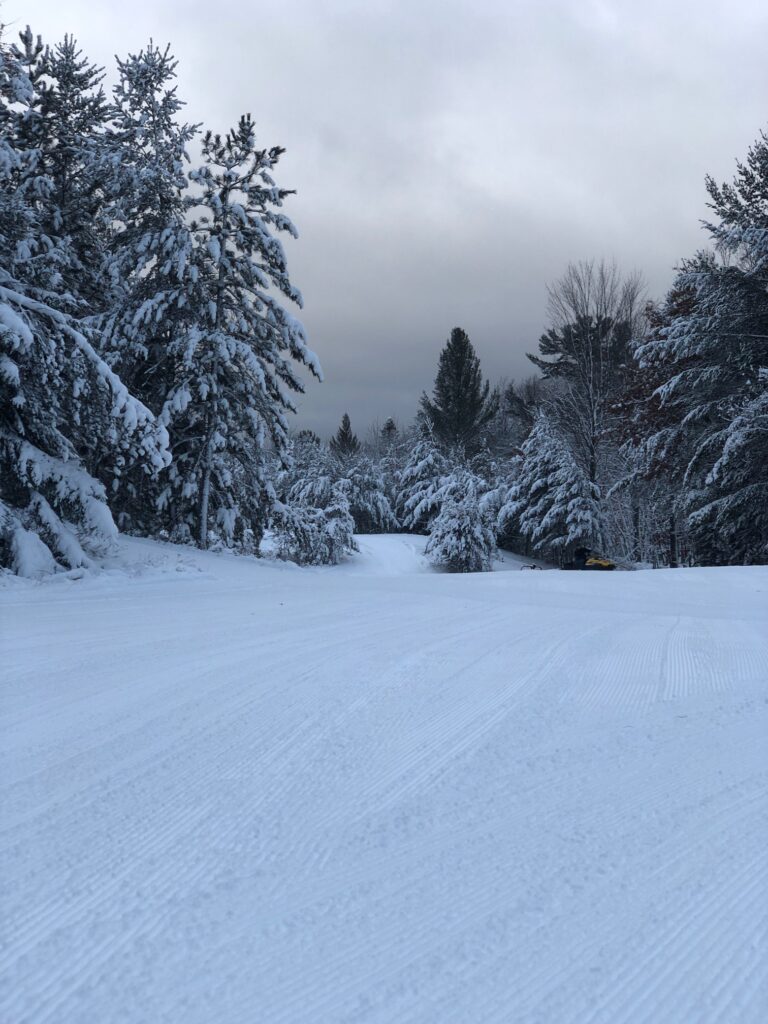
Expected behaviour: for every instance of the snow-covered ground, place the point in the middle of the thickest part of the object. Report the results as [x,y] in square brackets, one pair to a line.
[242,792]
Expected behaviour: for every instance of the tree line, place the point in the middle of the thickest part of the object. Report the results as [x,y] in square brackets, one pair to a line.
[643,435]
[148,356]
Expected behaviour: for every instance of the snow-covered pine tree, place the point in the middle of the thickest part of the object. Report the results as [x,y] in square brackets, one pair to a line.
[442,494]
[316,471]
[419,483]
[499,476]
[58,398]
[594,315]
[368,499]
[149,253]
[65,128]
[462,536]
[311,520]
[369,503]
[233,359]
[461,404]
[552,502]
[308,535]
[650,475]
[308,473]
[714,354]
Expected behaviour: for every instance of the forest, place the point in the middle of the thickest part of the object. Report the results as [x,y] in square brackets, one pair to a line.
[149,355]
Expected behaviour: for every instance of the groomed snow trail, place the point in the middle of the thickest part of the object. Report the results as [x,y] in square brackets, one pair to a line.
[240,792]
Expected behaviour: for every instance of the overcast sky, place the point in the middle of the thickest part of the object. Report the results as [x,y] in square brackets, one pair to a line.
[450,156]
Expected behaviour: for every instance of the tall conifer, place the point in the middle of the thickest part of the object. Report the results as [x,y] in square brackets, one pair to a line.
[461,404]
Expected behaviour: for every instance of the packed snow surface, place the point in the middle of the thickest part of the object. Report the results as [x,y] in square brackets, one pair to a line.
[236,791]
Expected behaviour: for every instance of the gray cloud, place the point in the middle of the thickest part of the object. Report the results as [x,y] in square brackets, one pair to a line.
[451,157]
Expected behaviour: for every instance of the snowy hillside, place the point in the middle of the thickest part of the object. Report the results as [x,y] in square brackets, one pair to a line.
[245,792]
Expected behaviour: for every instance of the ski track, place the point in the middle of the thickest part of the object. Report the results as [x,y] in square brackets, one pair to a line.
[377,794]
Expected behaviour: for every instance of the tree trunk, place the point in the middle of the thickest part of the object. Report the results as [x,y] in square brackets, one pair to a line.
[205,494]
[672,543]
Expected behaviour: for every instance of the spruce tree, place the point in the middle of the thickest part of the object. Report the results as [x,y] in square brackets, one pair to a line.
[461,404]
[391,448]
[308,437]
[345,444]
[389,433]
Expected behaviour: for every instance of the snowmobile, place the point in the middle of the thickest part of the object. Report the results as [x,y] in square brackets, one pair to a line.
[583,558]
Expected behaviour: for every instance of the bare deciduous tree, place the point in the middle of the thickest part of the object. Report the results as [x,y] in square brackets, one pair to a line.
[594,313]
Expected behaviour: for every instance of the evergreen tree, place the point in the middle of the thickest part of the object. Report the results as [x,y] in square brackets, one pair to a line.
[461,405]
[361,479]
[713,356]
[368,500]
[419,483]
[232,356]
[392,452]
[308,473]
[308,535]
[655,444]
[553,502]
[462,537]
[389,433]
[58,399]
[308,437]
[150,252]
[312,522]
[65,127]
[345,444]
[444,495]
